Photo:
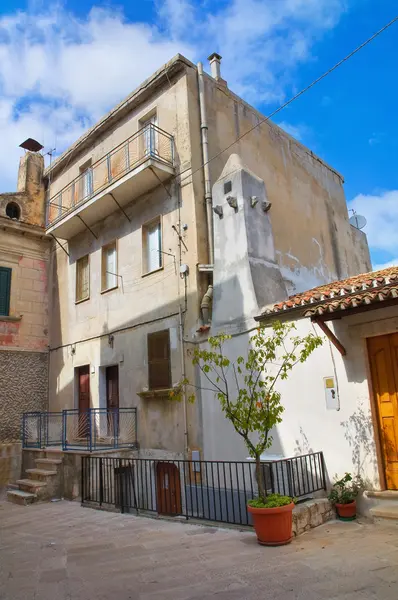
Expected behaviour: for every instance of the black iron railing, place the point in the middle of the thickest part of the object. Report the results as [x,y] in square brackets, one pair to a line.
[207,490]
[94,429]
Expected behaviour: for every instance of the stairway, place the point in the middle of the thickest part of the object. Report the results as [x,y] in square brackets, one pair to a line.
[386,508]
[41,484]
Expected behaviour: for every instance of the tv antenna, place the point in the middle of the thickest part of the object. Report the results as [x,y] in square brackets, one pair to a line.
[357,221]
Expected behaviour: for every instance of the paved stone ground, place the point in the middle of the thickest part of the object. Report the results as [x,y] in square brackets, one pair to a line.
[61,551]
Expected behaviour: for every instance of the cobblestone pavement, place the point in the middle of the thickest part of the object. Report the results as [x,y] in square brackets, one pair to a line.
[61,551]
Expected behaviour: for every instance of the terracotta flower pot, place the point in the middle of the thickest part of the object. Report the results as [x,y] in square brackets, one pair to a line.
[273,526]
[346,512]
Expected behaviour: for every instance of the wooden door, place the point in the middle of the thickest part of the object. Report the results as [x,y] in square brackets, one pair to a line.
[383,356]
[84,400]
[112,400]
[168,489]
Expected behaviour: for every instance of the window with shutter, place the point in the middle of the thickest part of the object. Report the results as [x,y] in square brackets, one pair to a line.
[82,279]
[159,368]
[109,267]
[152,246]
[5,290]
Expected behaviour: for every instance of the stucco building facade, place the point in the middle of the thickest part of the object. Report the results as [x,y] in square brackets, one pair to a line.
[149,235]
[24,255]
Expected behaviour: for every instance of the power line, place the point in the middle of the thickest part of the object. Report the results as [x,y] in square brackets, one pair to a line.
[303,91]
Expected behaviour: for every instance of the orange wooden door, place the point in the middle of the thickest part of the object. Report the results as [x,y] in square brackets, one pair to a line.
[383,356]
[168,489]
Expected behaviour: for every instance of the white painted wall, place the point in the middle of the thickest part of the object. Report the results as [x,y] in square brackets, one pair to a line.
[345,436]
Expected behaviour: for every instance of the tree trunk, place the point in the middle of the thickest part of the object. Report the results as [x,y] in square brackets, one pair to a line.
[259,477]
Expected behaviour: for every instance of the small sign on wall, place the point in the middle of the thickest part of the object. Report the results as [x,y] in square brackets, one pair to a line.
[331,394]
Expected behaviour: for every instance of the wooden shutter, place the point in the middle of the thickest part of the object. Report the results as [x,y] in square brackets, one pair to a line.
[159,360]
[5,290]
[82,279]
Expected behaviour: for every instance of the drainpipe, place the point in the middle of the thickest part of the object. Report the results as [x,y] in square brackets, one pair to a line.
[206,169]
[205,305]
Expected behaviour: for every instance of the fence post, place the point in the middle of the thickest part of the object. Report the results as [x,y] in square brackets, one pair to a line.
[121,500]
[323,471]
[101,482]
[90,430]
[82,479]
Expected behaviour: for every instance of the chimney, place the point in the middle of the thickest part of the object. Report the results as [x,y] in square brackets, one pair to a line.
[215,66]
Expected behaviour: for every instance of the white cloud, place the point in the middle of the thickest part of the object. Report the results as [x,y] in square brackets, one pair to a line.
[60,73]
[297,131]
[390,263]
[381,213]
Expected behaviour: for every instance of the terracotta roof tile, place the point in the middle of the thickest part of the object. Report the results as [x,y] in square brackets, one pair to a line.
[366,288]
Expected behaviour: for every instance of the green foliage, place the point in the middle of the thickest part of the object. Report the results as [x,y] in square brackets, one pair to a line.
[246,387]
[271,501]
[345,490]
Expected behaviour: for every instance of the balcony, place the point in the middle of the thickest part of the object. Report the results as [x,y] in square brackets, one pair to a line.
[131,169]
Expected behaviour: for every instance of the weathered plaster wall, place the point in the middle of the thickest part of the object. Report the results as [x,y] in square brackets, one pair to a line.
[30,194]
[27,256]
[313,238]
[150,301]
[346,436]
[23,388]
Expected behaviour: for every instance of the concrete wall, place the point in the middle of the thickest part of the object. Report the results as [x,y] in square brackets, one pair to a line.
[312,235]
[347,435]
[10,465]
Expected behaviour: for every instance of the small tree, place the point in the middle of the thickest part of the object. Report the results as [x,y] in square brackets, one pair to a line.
[246,387]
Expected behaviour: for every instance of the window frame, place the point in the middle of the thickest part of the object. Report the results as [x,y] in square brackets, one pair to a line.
[8,270]
[104,289]
[144,245]
[79,300]
[156,361]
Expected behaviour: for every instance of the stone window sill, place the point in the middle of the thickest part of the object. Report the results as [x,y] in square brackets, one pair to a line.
[10,318]
[163,393]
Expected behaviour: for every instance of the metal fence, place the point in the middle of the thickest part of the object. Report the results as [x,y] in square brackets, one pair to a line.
[40,429]
[95,429]
[148,142]
[206,490]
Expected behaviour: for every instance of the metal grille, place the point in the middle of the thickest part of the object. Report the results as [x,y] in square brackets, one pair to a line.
[148,142]
[204,490]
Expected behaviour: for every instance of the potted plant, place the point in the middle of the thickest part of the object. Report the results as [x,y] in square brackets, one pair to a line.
[246,390]
[343,495]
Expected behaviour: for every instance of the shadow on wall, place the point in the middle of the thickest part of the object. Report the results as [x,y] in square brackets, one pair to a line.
[358,431]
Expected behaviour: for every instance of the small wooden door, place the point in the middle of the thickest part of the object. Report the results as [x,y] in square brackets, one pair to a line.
[112,399]
[84,400]
[168,489]
[383,356]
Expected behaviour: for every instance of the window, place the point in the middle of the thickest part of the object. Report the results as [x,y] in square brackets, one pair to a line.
[109,267]
[5,289]
[159,368]
[152,246]
[82,279]
[13,211]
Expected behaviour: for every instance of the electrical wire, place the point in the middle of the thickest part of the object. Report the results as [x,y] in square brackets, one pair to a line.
[303,91]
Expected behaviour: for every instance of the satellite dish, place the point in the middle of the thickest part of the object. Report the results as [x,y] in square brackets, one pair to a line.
[358,221]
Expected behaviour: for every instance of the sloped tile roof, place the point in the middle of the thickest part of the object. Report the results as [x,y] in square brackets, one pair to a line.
[353,292]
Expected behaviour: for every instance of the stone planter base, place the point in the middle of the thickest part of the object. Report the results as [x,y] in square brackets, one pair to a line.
[311,514]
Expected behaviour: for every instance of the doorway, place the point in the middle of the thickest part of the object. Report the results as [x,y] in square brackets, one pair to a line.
[168,489]
[112,400]
[383,358]
[83,381]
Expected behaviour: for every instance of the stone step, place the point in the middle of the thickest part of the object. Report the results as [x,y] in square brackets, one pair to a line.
[384,495]
[385,512]
[12,486]
[41,473]
[20,497]
[49,461]
[30,483]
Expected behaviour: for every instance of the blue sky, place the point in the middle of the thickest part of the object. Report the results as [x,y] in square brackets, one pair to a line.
[63,65]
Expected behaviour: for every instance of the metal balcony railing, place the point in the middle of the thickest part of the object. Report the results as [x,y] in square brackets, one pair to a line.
[148,142]
[94,429]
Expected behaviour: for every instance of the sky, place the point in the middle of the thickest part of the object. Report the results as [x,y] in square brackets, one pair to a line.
[63,65]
